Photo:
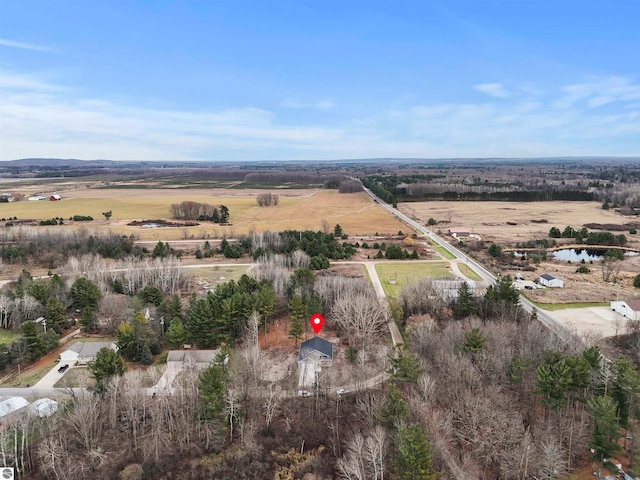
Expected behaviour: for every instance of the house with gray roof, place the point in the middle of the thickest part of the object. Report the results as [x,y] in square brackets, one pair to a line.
[314,354]
[316,350]
[85,352]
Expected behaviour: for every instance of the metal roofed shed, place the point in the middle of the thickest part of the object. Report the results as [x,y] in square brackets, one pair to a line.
[44,407]
[11,405]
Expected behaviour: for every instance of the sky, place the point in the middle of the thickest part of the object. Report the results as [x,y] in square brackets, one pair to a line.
[314,80]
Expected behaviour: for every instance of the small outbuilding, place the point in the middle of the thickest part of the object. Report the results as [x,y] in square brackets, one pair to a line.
[459,232]
[12,405]
[549,280]
[44,407]
[627,308]
[55,197]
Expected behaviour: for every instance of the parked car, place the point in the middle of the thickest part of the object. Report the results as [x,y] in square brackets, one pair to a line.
[63,368]
[304,393]
[341,391]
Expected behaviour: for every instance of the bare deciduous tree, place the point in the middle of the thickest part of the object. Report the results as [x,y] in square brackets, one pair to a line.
[360,317]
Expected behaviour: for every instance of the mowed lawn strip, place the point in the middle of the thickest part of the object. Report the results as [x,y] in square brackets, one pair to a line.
[468,272]
[443,251]
[565,306]
[406,273]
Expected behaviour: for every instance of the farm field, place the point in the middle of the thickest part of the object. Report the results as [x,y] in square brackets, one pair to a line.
[408,272]
[489,219]
[298,209]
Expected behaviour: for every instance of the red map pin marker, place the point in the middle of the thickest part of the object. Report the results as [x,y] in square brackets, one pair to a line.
[316,321]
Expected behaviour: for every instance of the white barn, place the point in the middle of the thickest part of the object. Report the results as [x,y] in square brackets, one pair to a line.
[549,280]
[628,308]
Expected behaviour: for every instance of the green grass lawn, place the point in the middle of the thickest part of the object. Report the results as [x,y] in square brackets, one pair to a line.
[366,273]
[468,272]
[214,274]
[76,377]
[407,273]
[443,251]
[7,336]
[564,306]
[32,375]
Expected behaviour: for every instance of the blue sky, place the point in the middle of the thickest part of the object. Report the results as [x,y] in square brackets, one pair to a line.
[288,80]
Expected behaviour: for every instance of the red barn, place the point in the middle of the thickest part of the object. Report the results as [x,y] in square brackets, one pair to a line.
[55,197]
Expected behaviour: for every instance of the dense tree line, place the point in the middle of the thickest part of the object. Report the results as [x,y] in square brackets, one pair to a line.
[24,244]
[378,189]
[590,238]
[318,246]
[507,196]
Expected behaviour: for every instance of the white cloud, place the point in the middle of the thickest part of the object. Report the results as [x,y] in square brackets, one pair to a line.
[45,120]
[23,45]
[599,92]
[11,81]
[325,104]
[496,90]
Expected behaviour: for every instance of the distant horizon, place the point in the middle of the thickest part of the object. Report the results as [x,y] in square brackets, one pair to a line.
[335,160]
[212,81]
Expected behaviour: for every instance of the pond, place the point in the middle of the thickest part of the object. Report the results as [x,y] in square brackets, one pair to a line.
[586,254]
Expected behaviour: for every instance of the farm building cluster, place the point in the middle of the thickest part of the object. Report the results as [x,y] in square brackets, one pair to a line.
[52,198]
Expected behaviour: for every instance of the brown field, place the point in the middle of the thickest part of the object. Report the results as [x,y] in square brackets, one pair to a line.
[298,209]
[489,220]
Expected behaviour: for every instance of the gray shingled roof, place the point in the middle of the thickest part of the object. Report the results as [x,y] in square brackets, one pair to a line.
[316,344]
[196,356]
[547,276]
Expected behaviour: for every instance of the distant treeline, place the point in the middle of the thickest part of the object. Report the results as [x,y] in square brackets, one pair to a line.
[511,196]
[295,177]
[411,188]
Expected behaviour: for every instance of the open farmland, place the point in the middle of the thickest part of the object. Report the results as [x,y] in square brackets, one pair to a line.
[406,273]
[298,209]
[489,219]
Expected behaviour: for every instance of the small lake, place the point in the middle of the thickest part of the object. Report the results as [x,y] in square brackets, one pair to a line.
[586,254]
